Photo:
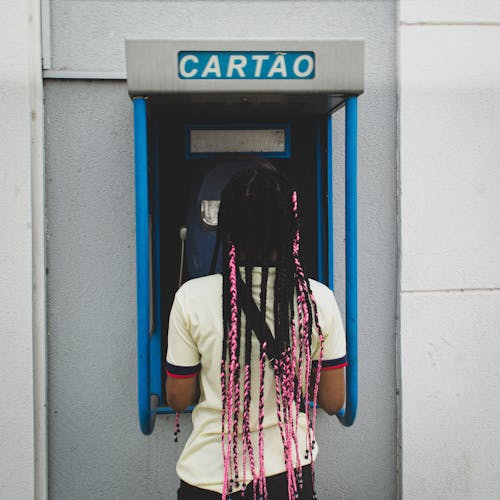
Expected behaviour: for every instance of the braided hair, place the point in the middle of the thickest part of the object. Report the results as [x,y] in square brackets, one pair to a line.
[258,226]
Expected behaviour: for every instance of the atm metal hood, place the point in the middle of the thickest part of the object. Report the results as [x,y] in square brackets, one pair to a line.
[245,76]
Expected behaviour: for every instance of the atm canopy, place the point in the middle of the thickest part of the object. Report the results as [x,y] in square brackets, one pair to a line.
[245,76]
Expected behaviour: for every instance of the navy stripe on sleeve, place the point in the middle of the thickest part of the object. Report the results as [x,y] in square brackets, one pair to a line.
[331,363]
[182,371]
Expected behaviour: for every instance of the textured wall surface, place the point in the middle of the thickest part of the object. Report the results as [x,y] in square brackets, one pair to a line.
[450,242]
[96,449]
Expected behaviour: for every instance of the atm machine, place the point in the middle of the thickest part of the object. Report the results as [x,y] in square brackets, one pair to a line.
[202,110]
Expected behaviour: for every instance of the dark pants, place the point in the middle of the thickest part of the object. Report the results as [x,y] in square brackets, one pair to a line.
[277,489]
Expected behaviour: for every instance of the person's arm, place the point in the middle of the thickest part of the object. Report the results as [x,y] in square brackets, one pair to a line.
[331,390]
[183,361]
[332,385]
[181,392]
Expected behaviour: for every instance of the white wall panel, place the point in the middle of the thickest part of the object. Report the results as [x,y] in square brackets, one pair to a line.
[451,395]
[19,128]
[450,11]
[450,157]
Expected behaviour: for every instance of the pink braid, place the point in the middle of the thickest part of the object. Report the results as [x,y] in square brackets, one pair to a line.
[288,379]
[224,412]
[318,373]
[231,393]
[280,408]
[305,290]
[295,391]
[261,480]
[247,439]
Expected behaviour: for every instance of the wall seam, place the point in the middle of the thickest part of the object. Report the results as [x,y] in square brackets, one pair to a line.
[457,23]
[451,290]
[57,74]
[46,40]
[399,402]
[38,232]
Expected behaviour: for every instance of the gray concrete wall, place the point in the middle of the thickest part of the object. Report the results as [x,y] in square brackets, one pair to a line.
[96,449]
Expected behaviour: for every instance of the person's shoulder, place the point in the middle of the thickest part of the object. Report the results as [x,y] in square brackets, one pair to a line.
[202,285]
[320,289]
[323,295]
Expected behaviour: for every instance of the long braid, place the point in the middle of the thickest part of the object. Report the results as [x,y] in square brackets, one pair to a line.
[313,314]
[304,324]
[236,384]
[297,346]
[261,478]
[224,388]
[318,373]
[233,386]
[247,439]
[258,220]
[286,337]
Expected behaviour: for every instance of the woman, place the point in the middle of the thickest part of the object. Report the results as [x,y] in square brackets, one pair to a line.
[261,345]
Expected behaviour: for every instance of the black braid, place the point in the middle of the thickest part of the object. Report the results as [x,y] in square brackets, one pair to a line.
[263,295]
[248,326]
[257,219]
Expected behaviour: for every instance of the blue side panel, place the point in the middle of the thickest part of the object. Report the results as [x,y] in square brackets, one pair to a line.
[319,197]
[142,263]
[348,415]
[329,180]
[155,339]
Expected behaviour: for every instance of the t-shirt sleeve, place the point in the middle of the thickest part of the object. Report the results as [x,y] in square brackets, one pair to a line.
[183,358]
[334,344]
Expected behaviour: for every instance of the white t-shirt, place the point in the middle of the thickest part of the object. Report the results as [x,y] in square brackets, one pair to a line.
[195,346]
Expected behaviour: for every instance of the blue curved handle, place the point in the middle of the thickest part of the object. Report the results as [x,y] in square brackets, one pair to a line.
[147,401]
[348,414]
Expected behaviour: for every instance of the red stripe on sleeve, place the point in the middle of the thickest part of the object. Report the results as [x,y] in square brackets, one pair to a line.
[175,375]
[334,367]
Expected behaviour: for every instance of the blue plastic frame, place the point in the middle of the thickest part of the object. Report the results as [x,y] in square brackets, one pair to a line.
[319,201]
[348,414]
[330,218]
[149,342]
[146,402]
[155,336]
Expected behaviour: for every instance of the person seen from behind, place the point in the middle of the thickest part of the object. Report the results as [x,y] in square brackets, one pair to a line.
[260,346]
